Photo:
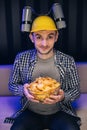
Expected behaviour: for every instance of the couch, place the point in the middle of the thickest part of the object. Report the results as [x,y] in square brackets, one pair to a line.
[9,103]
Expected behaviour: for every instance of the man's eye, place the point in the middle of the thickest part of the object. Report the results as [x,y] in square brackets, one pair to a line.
[38,37]
[50,37]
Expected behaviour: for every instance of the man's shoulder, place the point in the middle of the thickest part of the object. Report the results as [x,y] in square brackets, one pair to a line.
[62,55]
[26,53]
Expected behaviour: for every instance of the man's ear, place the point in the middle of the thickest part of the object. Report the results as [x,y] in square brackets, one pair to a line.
[31,37]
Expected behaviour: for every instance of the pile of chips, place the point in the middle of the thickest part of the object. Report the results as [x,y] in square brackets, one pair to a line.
[43,87]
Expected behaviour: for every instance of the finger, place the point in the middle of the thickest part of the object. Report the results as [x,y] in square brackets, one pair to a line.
[56,98]
[61,91]
[61,95]
[34,100]
[27,94]
[49,101]
[26,85]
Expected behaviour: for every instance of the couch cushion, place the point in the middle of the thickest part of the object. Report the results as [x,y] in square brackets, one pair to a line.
[82,110]
[5,71]
[82,70]
[8,106]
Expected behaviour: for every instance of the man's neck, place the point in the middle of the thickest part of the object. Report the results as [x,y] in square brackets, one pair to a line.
[45,56]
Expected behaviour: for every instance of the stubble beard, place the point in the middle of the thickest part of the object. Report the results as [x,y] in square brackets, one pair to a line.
[44,53]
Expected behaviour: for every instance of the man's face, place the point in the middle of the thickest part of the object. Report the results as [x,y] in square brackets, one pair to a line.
[44,41]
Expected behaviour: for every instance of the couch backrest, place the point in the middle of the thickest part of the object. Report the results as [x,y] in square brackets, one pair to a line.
[82,70]
[5,71]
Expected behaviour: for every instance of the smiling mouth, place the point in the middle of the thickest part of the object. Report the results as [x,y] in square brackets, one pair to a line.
[42,47]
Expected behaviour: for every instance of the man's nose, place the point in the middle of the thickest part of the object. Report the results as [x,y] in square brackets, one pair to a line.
[44,42]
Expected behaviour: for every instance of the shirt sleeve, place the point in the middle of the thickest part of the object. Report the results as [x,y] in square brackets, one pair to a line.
[72,82]
[15,82]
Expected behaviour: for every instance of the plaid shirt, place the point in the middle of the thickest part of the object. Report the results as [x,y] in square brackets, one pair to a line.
[24,66]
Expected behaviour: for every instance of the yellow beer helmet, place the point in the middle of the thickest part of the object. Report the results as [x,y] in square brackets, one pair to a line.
[43,23]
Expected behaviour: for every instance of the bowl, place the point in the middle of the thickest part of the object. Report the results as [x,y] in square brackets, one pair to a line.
[43,87]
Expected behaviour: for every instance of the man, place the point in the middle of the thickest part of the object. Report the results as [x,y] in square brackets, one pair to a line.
[56,112]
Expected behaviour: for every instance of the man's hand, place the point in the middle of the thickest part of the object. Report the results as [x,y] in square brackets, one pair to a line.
[55,98]
[28,95]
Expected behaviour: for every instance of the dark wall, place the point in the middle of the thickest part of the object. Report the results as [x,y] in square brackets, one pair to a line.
[72,40]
